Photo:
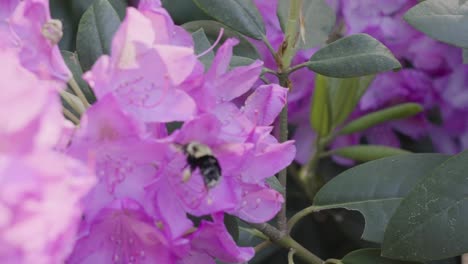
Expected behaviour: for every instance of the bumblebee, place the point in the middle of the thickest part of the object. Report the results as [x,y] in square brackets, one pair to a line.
[200,156]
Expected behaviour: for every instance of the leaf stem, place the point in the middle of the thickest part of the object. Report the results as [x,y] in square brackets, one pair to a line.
[270,71]
[269,46]
[298,67]
[287,242]
[291,256]
[299,215]
[265,244]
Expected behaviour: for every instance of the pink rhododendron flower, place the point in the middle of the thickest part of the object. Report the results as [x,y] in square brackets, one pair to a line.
[30,22]
[40,206]
[146,68]
[124,233]
[37,120]
[124,160]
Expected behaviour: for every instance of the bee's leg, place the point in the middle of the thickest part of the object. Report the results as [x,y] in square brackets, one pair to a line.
[187,172]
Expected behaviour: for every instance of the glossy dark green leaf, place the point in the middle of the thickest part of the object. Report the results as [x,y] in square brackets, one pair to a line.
[62,10]
[400,111]
[376,188]
[71,59]
[184,11]
[212,30]
[370,256]
[232,226]
[353,56]
[80,6]
[240,15]
[315,25]
[365,153]
[431,221]
[70,12]
[202,44]
[446,20]
[95,32]
[120,6]
[345,95]
[320,116]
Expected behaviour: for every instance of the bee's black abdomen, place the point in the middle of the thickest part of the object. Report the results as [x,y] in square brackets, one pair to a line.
[209,169]
[200,156]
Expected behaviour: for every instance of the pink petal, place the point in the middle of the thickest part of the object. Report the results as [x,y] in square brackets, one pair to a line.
[258,204]
[265,103]
[214,239]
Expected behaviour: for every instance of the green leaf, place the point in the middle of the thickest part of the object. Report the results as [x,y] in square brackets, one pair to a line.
[95,32]
[446,20]
[320,117]
[120,6]
[183,11]
[465,56]
[274,183]
[237,61]
[353,56]
[430,223]
[71,59]
[232,226]
[400,111]
[318,21]
[62,10]
[240,15]
[80,6]
[369,256]
[212,29]
[345,95]
[365,153]
[376,188]
[201,45]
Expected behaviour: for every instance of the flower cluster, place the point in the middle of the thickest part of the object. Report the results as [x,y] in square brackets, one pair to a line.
[121,187]
[41,188]
[150,205]
[432,75]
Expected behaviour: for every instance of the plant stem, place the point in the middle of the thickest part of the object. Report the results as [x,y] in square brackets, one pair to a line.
[69,98]
[71,116]
[287,242]
[291,256]
[308,173]
[333,261]
[76,89]
[291,33]
[265,244]
[283,177]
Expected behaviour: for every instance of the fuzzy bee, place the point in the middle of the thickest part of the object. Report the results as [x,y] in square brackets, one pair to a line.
[200,156]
